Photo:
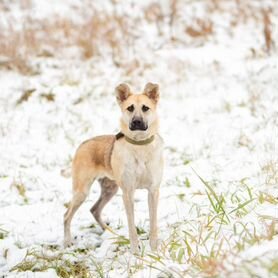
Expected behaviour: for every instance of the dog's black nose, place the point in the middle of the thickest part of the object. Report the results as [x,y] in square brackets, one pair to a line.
[137,124]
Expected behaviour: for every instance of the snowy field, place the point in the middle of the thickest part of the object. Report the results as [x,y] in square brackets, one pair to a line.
[216,62]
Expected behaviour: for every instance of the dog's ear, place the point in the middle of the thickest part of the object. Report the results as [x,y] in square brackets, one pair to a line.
[122,92]
[151,90]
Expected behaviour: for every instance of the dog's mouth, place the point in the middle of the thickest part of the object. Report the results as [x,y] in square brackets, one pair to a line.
[138,128]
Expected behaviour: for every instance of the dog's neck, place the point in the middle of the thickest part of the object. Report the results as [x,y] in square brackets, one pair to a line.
[140,135]
[135,142]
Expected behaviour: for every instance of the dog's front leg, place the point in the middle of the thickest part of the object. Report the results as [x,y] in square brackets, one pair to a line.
[128,198]
[153,196]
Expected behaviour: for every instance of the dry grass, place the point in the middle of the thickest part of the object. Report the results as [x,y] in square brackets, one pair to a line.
[201,28]
[270,169]
[113,34]
[99,35]
[267,29]
[25,96]
[36,261]
[21,189]
[16,48]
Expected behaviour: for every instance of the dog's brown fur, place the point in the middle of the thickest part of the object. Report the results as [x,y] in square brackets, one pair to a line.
[118,163]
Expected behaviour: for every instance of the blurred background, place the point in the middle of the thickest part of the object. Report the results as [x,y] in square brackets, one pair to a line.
[125,34]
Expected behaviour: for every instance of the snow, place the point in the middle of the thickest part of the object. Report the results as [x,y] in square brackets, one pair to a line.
[218,117]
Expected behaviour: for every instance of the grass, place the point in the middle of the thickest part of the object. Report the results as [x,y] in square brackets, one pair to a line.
[36,261]
[273,267]
[21,189]
[3,233]
[205,243]
[114,34]
[42,39]
[25,96]
[270,170]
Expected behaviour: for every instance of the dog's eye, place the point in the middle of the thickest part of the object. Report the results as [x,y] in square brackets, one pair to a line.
[130,108]
[145,108]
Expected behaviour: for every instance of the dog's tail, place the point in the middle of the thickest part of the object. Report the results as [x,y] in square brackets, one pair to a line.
[66,172]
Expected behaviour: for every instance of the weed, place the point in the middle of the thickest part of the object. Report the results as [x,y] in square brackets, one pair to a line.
[140,230]
[273,267]
[99,268]
[187,183]
[265,197]
[181,196]
[20,189]
[25,96]
[3,233]
[217,202]
[202,28]
[94,36]
[270,170]
[48,96]
[121,241]
[36,261]
[267,29]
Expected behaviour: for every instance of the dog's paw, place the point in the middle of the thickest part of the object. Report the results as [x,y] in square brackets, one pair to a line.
[67,243]
[154,244]
[135,248]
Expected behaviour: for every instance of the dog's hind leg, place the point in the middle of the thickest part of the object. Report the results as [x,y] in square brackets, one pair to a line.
[77,200]
[81,185]
[108,189]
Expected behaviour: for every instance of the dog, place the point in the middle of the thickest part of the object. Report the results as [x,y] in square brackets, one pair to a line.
[132,159]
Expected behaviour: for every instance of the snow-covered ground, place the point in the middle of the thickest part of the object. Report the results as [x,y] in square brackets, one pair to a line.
[218,212]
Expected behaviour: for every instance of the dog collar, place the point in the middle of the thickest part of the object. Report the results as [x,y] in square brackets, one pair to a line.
[135,142]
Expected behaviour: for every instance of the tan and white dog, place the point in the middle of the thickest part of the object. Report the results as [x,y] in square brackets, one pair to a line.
[130,160]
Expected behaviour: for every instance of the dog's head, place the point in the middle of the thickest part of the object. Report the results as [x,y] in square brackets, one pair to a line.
[139,118]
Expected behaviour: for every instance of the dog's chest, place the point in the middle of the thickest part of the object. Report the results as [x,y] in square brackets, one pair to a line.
[140,167]
[142,171]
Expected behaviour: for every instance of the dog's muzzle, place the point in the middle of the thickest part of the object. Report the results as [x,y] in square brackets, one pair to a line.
[138,124]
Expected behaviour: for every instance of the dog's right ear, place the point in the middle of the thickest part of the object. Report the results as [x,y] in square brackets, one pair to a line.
[122,92]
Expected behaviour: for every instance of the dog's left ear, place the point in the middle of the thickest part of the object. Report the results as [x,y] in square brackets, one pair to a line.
[151,90]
